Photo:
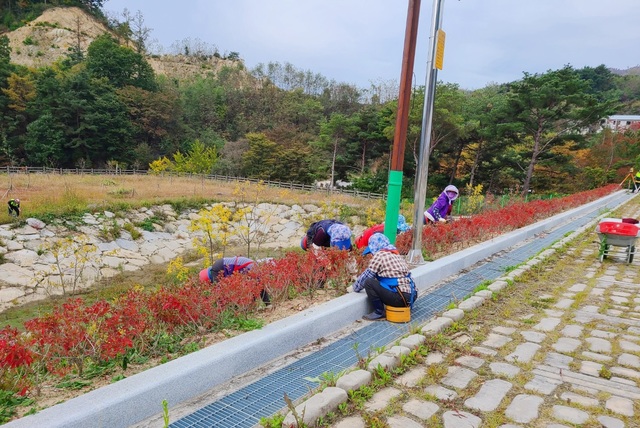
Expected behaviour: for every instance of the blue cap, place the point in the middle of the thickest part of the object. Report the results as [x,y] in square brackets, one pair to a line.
[344,244]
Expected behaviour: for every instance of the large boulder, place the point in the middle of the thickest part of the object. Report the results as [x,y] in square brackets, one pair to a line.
[36,224]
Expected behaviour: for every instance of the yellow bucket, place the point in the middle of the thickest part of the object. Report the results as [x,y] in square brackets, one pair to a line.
[398,315]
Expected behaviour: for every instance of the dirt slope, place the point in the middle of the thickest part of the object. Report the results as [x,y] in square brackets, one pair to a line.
[49,38]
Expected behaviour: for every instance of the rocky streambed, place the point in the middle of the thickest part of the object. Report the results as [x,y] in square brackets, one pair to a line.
[41,260]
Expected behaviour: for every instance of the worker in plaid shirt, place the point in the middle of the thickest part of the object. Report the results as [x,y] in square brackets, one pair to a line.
[387,280]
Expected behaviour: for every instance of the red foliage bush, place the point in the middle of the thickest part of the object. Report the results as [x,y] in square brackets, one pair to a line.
[74,332]
[15,358]
[436,238]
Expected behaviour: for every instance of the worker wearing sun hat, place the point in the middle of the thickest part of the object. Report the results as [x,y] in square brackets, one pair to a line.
[441,208]
[387,280]
[327,233]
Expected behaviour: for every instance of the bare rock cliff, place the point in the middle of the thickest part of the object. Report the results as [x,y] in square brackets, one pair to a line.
[51,36]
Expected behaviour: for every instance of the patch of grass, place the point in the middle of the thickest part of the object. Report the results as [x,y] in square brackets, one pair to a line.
[484,285]
[9,402]
[133,231]
[110,232]
[146,224]
[605,373]
[58,196]
[47,24]
[231,321]
[73,384]
[122,192]
[361,395]
[274,421]
[434,373]
[579,299]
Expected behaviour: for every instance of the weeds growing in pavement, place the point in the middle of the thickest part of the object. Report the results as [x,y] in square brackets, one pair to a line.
[298,418]
[484,285]
[165,413]
[361,395]
[381,377]
[326,379]
[274,421]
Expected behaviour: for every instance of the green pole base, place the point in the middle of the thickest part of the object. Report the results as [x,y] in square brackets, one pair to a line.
[393,205]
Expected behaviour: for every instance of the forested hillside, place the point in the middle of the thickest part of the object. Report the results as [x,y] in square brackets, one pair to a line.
[104,100]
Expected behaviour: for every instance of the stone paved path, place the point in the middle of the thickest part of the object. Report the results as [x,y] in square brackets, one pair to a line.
[558,348]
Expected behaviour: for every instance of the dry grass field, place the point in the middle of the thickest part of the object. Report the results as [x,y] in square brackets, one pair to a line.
[45,195]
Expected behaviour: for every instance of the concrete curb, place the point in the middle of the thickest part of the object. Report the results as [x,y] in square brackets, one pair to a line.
[139,397]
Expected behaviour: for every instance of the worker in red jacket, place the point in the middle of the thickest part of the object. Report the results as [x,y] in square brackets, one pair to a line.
[363,240]
[227,266]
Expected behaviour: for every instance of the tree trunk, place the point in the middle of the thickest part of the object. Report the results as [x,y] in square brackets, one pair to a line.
[474,167]
[333,161]
[532,164]
[455,164]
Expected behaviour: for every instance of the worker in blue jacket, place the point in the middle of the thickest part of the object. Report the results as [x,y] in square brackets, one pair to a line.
[327,233]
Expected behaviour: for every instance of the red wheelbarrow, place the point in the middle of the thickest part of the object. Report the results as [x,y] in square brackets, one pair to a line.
[617,233]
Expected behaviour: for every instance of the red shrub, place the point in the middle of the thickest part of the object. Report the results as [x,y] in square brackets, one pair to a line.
[73,332]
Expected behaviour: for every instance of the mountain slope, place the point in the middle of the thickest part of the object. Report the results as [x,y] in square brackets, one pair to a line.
[50,36]
[53,34]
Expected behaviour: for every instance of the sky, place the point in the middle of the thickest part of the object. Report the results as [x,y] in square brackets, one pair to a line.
[361,41]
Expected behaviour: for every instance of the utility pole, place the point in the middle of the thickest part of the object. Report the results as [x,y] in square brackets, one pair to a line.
[434,62]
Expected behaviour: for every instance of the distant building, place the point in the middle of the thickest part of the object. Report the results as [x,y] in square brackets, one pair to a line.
[620,122]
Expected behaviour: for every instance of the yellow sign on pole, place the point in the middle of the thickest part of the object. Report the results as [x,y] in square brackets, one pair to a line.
[440,49]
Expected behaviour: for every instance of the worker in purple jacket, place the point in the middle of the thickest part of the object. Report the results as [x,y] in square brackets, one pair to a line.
[440,210]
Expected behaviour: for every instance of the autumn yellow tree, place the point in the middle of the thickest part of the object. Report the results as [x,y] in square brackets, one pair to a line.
[213,227]
[72,255]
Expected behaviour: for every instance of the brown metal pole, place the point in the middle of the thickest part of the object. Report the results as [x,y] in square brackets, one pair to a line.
[406,77]
[397,155]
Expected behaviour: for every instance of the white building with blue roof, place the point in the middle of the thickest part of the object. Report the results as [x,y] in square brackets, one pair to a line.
[620,122]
